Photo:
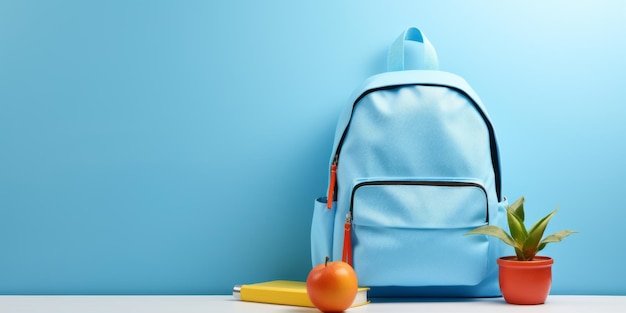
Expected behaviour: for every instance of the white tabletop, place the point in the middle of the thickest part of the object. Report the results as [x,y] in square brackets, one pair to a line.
[209,304]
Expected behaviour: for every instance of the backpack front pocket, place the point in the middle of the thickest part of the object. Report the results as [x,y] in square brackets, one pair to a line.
[411,232]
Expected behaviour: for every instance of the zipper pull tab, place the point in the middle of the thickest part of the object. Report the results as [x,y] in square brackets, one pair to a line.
[347,240]
[331,186]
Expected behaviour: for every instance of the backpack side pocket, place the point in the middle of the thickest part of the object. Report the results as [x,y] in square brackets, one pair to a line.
[322,231]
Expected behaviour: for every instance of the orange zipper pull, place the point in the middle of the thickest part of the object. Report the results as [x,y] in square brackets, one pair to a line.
[347,240]
[331,187]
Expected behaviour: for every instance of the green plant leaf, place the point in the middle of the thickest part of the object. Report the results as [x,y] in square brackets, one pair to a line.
[556,237]
[531,245]
[518,208]
[516,227]
[494,231]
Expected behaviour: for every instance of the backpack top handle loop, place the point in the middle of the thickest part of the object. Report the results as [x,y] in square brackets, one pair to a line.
[396,60]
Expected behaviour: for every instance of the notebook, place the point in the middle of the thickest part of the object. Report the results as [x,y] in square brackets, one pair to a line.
[285,292]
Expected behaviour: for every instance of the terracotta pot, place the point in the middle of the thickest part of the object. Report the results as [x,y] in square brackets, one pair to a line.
[525,282]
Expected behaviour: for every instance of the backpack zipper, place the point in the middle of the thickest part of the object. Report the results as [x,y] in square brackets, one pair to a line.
[331,185]
[436,183]
[347,240]
[495,160]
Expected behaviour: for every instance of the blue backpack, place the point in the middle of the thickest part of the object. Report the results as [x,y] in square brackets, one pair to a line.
[414,167]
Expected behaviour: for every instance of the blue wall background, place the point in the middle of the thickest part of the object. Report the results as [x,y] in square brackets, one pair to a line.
[176,147]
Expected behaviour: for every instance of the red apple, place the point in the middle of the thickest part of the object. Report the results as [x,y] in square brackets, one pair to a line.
[332,286]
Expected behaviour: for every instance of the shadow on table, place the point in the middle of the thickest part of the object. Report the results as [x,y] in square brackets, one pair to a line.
[435,300]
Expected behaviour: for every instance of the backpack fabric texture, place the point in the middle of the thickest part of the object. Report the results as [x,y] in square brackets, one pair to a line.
[414,167]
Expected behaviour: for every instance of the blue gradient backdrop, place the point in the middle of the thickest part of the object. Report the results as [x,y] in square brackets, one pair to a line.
[176,147]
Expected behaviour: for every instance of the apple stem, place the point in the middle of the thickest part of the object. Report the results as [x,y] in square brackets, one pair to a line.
[326,263]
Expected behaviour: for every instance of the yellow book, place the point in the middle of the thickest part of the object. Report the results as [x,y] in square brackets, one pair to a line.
[285,292]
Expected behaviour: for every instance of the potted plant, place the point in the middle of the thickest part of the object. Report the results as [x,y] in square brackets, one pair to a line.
[524,278]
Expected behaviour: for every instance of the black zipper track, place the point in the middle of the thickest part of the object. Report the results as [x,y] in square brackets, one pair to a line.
[435,183]
[495,160]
